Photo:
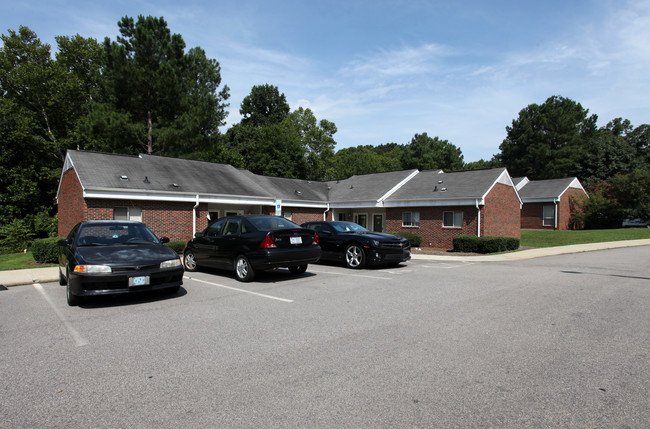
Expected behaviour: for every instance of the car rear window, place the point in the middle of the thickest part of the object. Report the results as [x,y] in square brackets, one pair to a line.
[272,222]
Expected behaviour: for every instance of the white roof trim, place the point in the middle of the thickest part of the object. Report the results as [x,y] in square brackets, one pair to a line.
[505,179]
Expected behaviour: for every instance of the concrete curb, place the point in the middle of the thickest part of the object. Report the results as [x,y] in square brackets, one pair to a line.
[51,274]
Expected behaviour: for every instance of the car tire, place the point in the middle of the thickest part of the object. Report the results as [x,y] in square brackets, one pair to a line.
[243,270]
[189,261]
[298,269]
[355,258]
[73,300]
[62,280]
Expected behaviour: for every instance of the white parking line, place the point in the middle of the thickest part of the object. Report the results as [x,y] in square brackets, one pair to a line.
[348,274]
[445,265]
[239,290]
[78,339]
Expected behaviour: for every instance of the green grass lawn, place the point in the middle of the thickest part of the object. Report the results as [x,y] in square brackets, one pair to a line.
[534,238]
[17,261]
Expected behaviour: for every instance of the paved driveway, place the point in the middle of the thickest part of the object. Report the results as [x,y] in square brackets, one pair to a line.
[561,341]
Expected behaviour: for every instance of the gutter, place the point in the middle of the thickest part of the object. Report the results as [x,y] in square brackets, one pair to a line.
[194,213]
[478,208]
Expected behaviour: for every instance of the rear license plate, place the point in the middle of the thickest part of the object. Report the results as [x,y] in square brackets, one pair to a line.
[295,240]
[139,281]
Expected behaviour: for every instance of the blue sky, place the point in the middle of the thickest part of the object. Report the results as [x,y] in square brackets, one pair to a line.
[383,71]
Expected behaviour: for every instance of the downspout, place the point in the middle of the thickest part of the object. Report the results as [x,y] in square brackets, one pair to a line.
[478,233]
[325,212]
[194,217]
[555,201]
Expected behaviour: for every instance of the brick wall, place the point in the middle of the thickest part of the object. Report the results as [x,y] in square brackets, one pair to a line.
[501,215]
[72,207]
[531,213]
[431,230]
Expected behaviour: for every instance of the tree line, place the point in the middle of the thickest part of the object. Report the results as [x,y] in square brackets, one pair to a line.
[146,92]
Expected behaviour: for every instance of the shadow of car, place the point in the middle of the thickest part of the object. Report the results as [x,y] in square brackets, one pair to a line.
[116,257]
[357,247]
[246,244]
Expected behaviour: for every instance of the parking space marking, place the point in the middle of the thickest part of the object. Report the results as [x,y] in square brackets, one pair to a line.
[239,290]
[445,265]
[76,336]
[347,274]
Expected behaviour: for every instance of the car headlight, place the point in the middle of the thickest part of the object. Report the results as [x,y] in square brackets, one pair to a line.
[92,269]
[172,263]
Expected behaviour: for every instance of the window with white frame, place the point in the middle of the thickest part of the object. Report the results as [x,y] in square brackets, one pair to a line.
[548,215]
[410,218]
[127,213]
[452,219]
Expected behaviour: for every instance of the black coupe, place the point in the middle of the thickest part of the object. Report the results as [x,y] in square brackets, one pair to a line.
[246,244]
[358,247]
[112,257]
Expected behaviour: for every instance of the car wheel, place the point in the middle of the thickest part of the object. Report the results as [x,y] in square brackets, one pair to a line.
[73,299]
[243,270]
[298,269]
[62,280]
[354,256]
[189,261]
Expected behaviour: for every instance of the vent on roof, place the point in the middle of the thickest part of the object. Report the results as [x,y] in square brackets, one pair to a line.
[125,178]
[435,189]
[146,179]
[175,185]
[351,186]
[298,192]
[443,189]
[439,181]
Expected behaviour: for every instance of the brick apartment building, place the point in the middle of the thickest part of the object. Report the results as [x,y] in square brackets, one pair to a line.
[547,204]
[178,197]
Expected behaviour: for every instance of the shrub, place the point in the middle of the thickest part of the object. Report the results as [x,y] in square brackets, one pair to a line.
[17,235]
[414,239]
[46,250]
[176,246]
[473,244]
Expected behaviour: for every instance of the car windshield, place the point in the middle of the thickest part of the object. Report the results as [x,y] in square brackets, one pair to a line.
[348,227]
[269,223]
[115,233]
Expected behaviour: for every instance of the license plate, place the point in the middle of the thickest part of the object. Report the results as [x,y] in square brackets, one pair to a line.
[295,240]
[139,281]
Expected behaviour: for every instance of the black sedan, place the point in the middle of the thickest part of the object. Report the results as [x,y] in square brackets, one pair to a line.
[113,257]
[246,244]
[358,247]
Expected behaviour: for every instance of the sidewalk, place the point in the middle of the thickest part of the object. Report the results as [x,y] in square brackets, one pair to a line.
[51,274]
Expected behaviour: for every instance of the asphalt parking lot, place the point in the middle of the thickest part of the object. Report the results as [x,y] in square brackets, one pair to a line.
[560,341]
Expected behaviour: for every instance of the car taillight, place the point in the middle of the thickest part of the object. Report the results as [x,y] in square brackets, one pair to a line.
[316,239]
[268,242]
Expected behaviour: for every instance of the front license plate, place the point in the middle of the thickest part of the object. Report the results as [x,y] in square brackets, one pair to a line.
[139,281]
[295,240]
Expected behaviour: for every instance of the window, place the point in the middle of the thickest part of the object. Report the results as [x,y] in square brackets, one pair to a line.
[361,219]
[452,219]
[548,215]
[127,213]
[214,229]
[410,218]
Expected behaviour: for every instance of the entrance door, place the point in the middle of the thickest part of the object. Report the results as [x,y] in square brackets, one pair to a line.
[378,223]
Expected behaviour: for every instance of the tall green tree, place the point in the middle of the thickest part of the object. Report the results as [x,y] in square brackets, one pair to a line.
[317,140]
[548,140]
[426,153]
[265,105]
[40,101]
[155,96]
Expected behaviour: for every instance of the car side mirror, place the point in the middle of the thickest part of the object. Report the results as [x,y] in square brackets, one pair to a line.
[164,240]
[324,232]
[198,235]
[64,242]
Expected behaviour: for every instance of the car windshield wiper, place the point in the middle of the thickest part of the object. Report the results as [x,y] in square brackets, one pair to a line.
[92,244]
[137,242]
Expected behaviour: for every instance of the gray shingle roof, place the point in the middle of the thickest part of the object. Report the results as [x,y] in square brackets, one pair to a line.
[101,172]
[434,185]
[547,189]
